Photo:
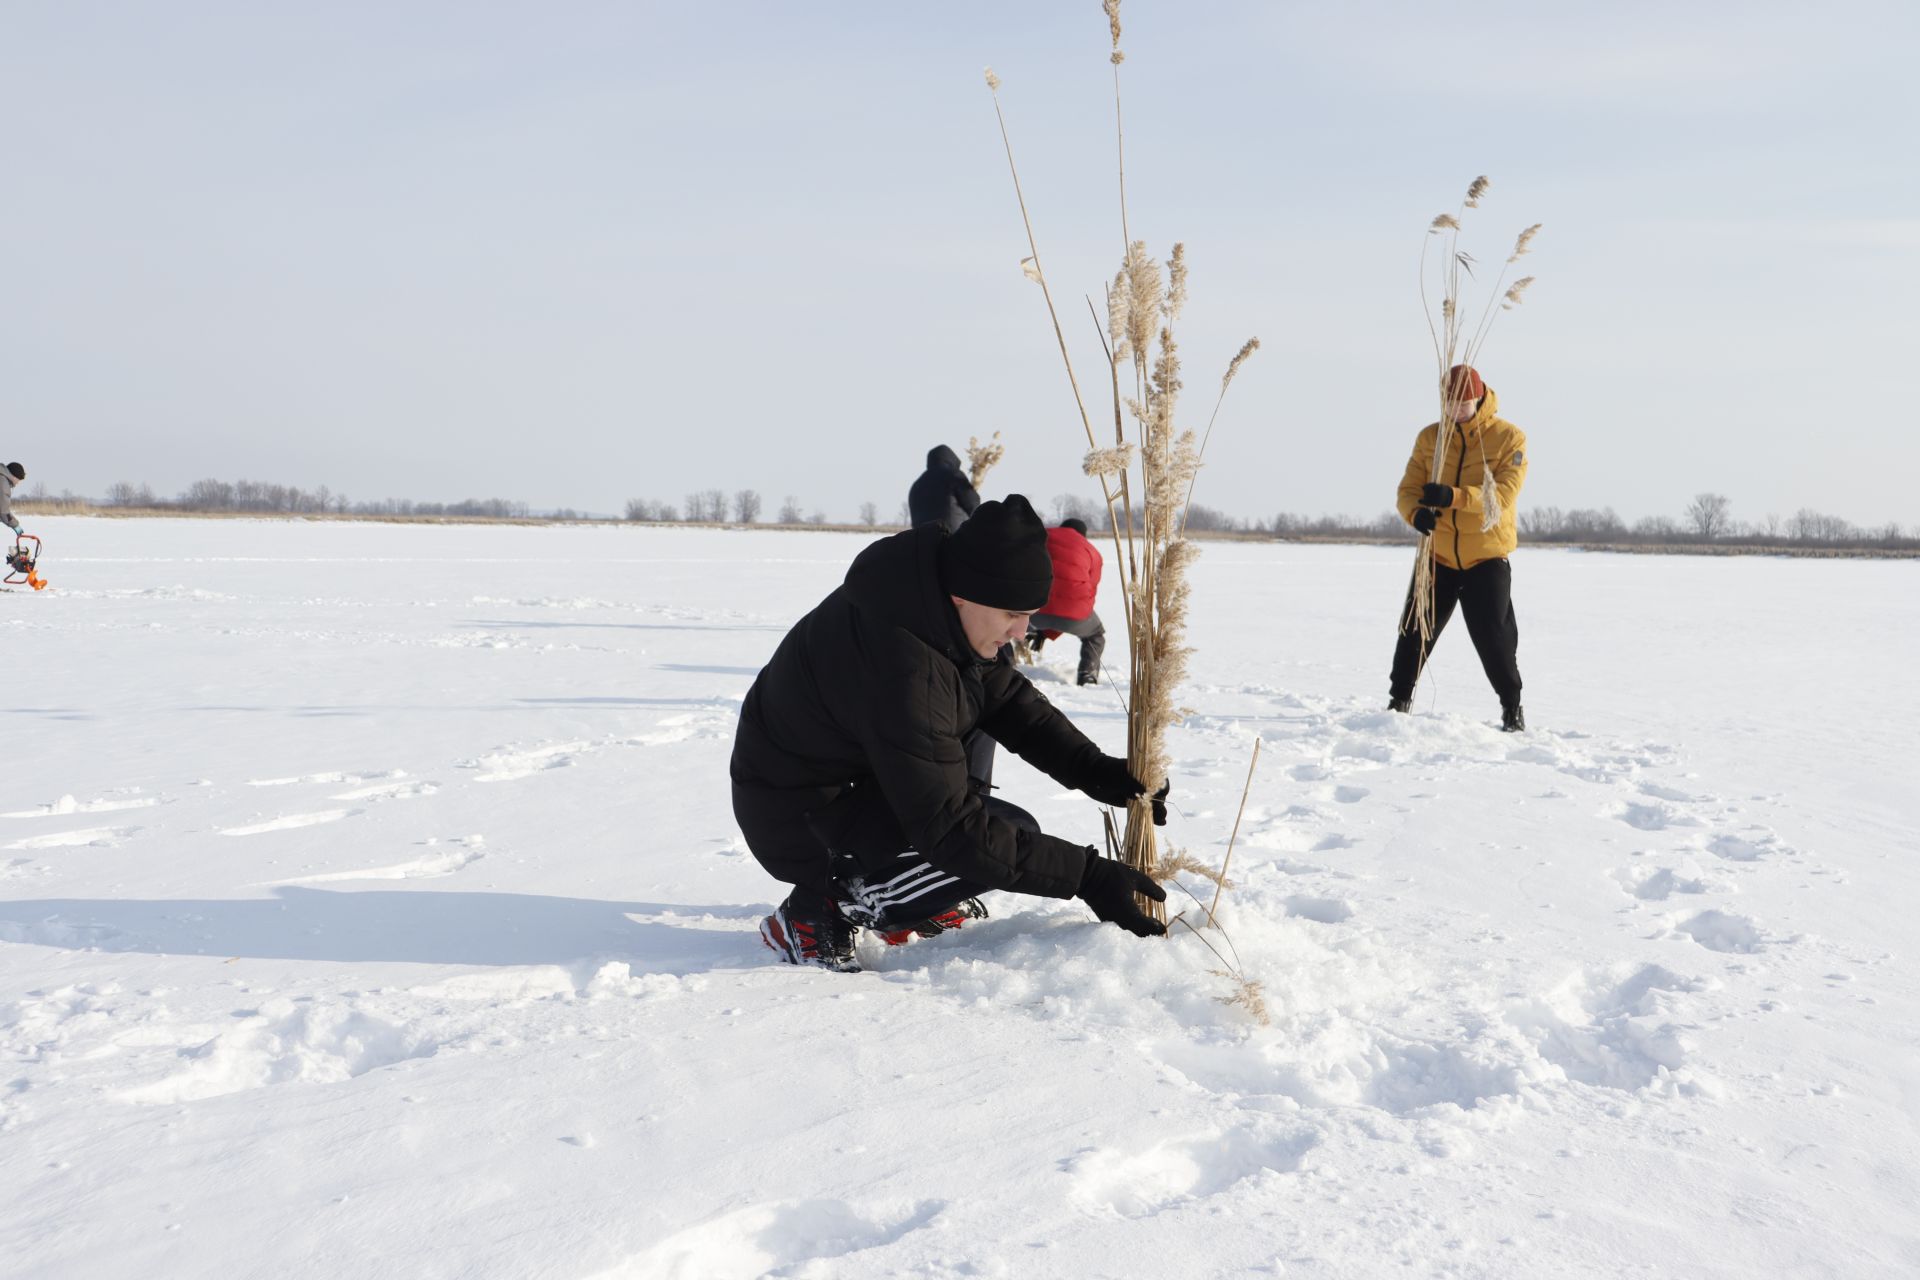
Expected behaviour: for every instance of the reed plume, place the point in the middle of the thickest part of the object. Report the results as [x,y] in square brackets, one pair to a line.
[982,457]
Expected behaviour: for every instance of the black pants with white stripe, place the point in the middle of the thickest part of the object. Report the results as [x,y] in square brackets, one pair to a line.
[844,852]
[888,886]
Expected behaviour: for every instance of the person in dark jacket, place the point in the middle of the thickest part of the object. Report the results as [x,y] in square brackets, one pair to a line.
[849,768]
[1069,607]
[942,495]
[10,475]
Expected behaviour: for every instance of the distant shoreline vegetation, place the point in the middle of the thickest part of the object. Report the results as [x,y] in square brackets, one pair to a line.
[1705,528]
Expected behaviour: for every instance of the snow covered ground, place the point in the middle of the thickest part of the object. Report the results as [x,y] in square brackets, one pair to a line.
[370,905]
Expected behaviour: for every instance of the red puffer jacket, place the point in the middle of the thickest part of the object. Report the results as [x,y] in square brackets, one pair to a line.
[1076,574]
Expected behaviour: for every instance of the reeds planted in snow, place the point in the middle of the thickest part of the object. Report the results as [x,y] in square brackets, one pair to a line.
[1146,472]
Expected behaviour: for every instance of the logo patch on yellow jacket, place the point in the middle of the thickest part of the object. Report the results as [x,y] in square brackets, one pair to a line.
[1519,456]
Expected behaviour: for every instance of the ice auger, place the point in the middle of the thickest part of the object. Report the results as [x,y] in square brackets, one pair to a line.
[21,560]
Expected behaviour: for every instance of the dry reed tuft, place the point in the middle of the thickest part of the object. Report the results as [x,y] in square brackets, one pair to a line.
[1476,190]
[1524,243]
[1108,462]
[1030,269]
[1247,994]
[1513,295]
[993,81]
[982,457]
[1176,862]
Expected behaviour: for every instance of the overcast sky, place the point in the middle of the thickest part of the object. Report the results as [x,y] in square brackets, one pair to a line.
[578,253]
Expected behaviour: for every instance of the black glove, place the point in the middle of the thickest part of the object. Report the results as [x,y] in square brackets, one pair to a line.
[1111,782]
[1436,495]
[1034,640]
[1160,803]
[1108,888]
[1424,519]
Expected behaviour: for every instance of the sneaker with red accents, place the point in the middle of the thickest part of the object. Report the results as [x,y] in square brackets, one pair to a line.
[933,926]
[825,944]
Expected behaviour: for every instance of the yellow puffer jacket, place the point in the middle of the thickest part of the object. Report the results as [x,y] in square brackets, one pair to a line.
[1484,444]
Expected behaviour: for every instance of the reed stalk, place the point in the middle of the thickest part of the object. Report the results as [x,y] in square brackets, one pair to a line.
[1455,343]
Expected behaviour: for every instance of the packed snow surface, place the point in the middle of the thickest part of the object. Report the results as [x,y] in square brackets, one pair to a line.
[370,904]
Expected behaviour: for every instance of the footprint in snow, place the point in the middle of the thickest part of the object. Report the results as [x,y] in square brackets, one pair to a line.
[1651,884]
[1658,816]
[291,821]
[1319,910]
[507,766]
[1725,932]
[444,862]
[324,778]
[780,1239]
[389,791]
[1758,844]
[95,837]
[1608,1030]
[1112,1183]
[67,804]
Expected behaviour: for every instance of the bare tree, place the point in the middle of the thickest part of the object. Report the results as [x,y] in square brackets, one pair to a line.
[790,512]
[869,514]
[746,506]
[653,512]
[1072,506]
[124,494]
[1542,522]
[1710,514]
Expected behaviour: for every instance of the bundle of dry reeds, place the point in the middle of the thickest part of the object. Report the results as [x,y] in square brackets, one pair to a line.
[1146,473]
[1457,342]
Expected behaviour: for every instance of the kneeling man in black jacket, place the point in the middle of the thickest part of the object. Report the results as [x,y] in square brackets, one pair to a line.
[849,769]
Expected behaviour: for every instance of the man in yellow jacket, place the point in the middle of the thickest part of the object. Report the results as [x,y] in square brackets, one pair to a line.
[1469,515]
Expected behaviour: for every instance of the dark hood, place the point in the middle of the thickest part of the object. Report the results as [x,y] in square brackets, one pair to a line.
[942,458]
[897,580]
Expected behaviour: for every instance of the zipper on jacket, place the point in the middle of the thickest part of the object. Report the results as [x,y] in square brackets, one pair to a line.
[1459,468]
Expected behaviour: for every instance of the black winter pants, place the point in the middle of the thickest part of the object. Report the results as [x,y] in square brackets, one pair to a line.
[1090,631]
[1485,596]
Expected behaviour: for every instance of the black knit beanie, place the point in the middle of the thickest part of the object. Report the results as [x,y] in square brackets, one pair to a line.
[998,558]
[17,471]
[1076,524]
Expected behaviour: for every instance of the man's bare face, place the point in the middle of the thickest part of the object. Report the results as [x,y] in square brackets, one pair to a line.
[1462,410]
[988,628]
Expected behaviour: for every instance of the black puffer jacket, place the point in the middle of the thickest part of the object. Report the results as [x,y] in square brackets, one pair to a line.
[876,687]
[942,495]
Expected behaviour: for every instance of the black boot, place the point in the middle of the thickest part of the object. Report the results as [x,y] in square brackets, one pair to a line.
[1402,705]
[1513,719]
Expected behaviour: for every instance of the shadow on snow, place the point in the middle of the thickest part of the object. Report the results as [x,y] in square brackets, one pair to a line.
[411,927]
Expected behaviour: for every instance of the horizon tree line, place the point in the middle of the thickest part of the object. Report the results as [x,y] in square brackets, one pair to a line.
[1707,519]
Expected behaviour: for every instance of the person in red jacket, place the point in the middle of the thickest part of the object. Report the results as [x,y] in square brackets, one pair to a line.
[1069,609]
